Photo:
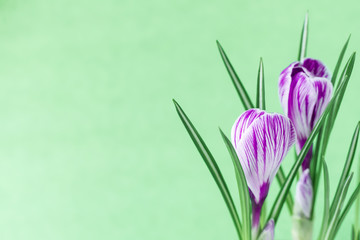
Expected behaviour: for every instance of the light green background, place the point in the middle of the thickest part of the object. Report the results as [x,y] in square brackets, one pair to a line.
[90,144]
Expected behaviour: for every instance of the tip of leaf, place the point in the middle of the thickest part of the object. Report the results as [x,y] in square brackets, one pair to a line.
[175,103]
[221,132]
[218,44]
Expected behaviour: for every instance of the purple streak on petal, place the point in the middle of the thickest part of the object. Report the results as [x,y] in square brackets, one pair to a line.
[306,163]
[284,85]
[261,149]
[256,206]
[256,212]
[324,90]
[304,194]
[242,123]
[316,68]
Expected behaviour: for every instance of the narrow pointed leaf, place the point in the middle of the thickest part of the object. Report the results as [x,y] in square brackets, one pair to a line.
[346,169]
[303,39]
[353,233]
[346,210]
[317,159]
[332,225]
[315,164]
[345,75]
[338,64]
[244,96]
[357,210]
[280,176]
[263,215]
[260,93]
[242,187]
[280,199]
[212,166]
[324,138]
[325,220]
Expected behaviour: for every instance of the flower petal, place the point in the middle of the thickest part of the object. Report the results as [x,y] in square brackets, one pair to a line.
[304,90]
[316,68]
[304,195]
[308,98]
[261,148]
[243,122]
[284,85]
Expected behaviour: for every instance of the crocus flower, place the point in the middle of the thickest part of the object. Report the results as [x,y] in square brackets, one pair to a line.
[261,141]
[302,224]
[304,195]
[305,90]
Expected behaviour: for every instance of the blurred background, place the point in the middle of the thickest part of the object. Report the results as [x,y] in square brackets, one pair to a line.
[90,144]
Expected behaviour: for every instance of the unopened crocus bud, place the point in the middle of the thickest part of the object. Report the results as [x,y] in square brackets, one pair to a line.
[268,231]
[302,224]
[261,141]
[305,90]
[304,195]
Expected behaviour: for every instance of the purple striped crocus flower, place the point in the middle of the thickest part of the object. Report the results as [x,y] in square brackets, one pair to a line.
[261,141]
[304,195]
[302,228]
[305,90]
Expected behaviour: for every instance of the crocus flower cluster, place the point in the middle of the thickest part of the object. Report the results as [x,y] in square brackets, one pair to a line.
[305,90]
[261,141]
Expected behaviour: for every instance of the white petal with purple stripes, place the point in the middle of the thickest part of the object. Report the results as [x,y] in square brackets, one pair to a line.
[304,195]
[261,141]
[305,90]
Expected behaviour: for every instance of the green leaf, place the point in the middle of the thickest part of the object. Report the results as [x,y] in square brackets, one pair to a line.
[353,233]
[344,77]
[346,169]
[242,187]
[263,215]
[260,93]
[317,159]
[279,202]
[325,220]
[244,96]
[280,176]
[351,201]
[357,211]
[315,164]
[303,39]
[212,166]
[332,226]
[324,134]
[324,138]
[346,74]
[338,64]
